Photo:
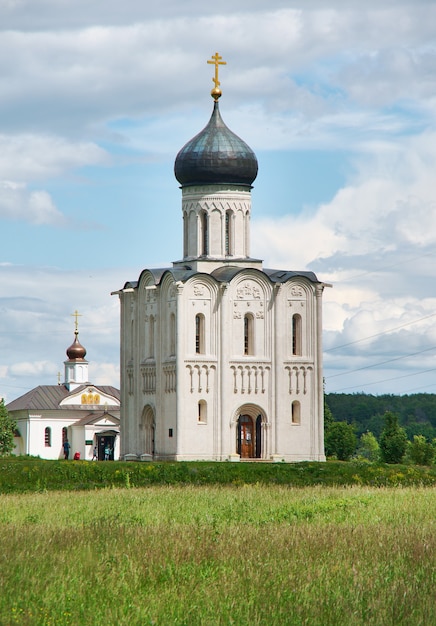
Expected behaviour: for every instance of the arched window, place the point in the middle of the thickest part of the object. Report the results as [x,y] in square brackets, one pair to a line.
[248,334]
[151,336]
[229,233]
[47,437]
[204,234]
[296,412]
[202,412]
[296,335]
[247,234]
[199,334]
[185,235]
[172,334]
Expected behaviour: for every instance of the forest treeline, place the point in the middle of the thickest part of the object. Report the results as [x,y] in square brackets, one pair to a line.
[416,413]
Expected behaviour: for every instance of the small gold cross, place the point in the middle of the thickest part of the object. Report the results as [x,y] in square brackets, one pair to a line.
[216,60]
[76,315]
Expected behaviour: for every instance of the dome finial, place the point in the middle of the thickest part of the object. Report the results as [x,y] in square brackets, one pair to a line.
[76,350]
[216,91]
[76,315]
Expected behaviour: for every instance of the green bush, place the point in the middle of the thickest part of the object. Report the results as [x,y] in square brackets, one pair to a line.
[340,441]
[393,440]
[420,451]
[30,474]
[369,447]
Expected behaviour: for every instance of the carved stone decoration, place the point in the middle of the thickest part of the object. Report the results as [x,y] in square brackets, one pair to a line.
[249,379]
[169,371]
[130,380]
[200,377]
[298,375]
[148,374]
[297,291]
[248,290]
[199,290]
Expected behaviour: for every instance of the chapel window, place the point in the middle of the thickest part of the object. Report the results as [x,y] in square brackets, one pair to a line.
[47,437]
[296,335]
[199,334]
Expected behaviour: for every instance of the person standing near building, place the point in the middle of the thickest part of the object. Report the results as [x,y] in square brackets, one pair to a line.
[66,449]
[95,454]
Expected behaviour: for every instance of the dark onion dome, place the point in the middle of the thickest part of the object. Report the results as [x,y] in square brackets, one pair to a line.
[215,155]
[76,350]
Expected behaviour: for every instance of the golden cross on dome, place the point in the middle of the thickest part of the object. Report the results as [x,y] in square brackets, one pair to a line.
[76,314]
[217,61]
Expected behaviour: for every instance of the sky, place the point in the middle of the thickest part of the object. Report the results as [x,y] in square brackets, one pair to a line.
[338,101]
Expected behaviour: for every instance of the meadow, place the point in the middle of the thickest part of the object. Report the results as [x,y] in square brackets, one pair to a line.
[241,554]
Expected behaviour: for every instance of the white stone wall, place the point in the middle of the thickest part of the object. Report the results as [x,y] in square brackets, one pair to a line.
[215,201]
[266,382]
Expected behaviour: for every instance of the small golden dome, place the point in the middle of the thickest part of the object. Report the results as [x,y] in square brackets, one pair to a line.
[216,93]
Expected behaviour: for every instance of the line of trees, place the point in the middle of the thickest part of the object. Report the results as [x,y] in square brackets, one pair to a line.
[369,427]
[7,430]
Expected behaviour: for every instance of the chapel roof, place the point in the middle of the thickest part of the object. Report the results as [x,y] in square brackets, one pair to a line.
[48,397]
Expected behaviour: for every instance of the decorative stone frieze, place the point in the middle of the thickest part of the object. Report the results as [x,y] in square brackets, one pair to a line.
[250,379]
[299,377]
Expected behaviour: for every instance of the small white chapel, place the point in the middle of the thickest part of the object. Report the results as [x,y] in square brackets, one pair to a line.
[221,358]
[77,411]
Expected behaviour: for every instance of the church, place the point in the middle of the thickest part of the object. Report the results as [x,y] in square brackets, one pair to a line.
[221,358]
[85,415]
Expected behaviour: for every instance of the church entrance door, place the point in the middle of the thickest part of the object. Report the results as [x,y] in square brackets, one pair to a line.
[106,445]
[246,435]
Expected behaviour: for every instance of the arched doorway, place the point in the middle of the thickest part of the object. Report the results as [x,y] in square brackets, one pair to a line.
[249,439]
[106,445]
[246,437]
[147,428]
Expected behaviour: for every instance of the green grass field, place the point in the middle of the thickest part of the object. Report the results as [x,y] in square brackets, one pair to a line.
[246,554]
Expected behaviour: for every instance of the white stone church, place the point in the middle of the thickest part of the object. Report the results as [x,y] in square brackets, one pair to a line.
[221,358]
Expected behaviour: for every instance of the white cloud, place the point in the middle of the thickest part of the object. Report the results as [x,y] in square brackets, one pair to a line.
[26,368]
[37,157]
[36,207]
[106,374]
[77,77]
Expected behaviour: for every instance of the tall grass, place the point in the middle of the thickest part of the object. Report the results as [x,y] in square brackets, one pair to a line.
[219,555]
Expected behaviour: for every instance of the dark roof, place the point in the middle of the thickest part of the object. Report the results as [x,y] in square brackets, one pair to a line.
[224,274]
[215,155]
[50,396]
